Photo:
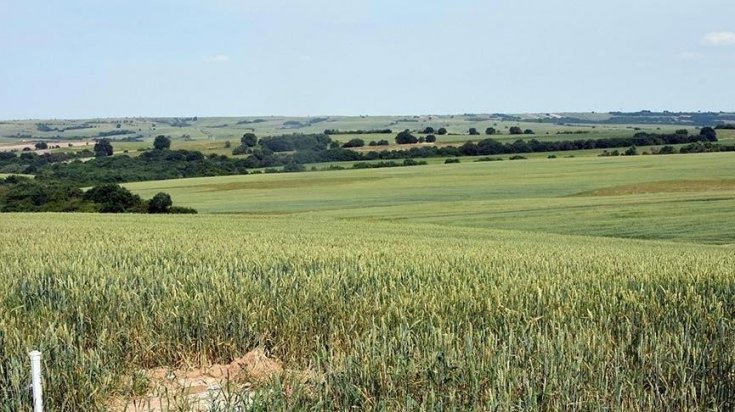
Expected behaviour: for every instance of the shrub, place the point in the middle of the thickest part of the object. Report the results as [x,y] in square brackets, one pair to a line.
[430,138]
[515,130]
[441,131]
[354,143]
[473,131]
[517,157]
[449,161]
[405,137]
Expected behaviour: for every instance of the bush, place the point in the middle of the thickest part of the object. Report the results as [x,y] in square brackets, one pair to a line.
[490,131]
[473,131]
[441,131]
[516,130]
[428,130]
[631,151]
[41,145]
[430,138]
[517,157]
[450,161]
[354,143]
[528,131]
[405,137]
[178,210]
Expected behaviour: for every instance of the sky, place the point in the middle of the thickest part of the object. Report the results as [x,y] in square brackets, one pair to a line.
[91,58]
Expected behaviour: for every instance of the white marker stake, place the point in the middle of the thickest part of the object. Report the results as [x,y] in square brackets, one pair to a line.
[36,379]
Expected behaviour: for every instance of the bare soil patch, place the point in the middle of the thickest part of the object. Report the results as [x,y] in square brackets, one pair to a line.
[199,389]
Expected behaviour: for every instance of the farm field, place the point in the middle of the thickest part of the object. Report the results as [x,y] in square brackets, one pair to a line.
[680,197]
[366,314]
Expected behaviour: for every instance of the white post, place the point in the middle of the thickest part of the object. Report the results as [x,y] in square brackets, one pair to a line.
[36,380]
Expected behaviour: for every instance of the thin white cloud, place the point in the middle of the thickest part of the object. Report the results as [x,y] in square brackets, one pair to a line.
[220,58]
[720,38]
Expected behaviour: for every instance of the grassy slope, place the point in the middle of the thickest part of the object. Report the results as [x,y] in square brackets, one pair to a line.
[549,195]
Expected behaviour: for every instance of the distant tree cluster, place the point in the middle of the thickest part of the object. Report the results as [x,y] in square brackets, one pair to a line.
[21,194]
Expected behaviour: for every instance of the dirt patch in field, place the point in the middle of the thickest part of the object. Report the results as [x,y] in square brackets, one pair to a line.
[200,389]
[667,186]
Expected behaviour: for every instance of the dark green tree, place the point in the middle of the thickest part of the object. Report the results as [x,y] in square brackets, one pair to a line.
[249,139]
[161,142]
[160,203]
[405,137]
[103,148]
[708,133]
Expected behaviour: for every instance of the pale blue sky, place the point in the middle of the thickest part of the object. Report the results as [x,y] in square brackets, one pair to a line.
[91,58]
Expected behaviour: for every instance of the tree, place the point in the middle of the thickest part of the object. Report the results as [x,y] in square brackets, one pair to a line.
[430,138]
[708,133]
[631,151]
[249,139]
[103,148]
[354,143]
[160,203]
[405,137]
[113,198]
[490,131]
[442,131]
[528,131]
[516,130]
[428,130]
[41,145]
[161,142]
[473,131]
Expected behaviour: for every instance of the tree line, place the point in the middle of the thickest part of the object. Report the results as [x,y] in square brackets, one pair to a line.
[23,194]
